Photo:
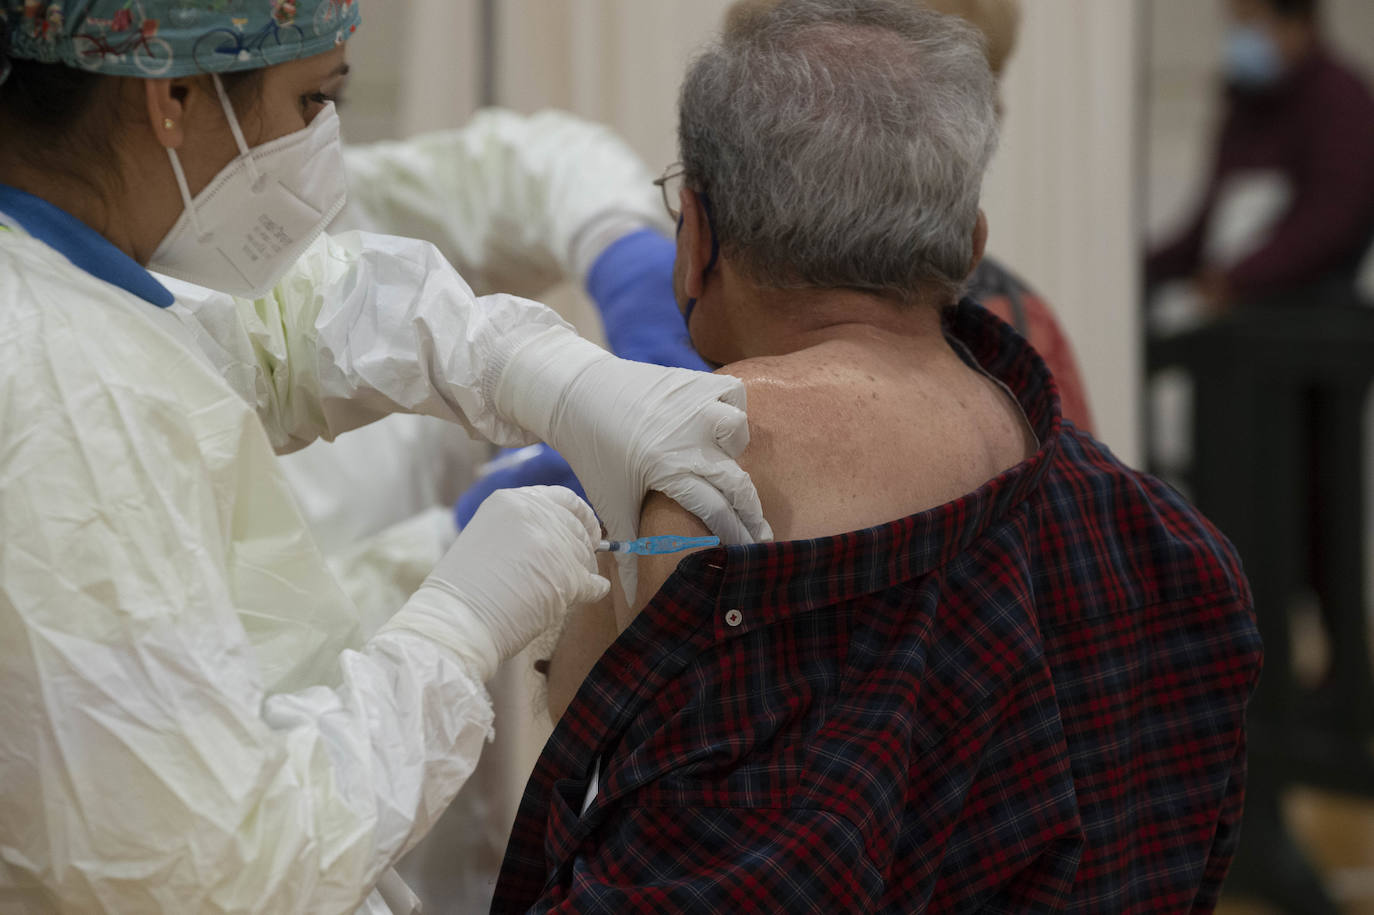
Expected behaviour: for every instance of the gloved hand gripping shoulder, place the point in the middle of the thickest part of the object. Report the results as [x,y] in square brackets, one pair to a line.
[628,428]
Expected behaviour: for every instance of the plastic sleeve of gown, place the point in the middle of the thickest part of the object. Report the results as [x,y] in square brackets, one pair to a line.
[381,571]
[362,327]
[514,202]
[191,721]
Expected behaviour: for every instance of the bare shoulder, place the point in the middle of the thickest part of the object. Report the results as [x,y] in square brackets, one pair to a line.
[661,517]
[793,404]
[846,437]
[771,392]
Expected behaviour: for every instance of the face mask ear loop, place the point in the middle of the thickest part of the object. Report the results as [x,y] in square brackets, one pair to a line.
[715,252]
[186,193]
[237,131]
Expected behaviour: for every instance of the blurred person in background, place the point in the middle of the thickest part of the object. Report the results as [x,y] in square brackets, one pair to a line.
[1288,212]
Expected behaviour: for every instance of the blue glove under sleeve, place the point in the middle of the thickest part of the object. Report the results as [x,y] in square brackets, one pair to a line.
[537,465]
[632,286]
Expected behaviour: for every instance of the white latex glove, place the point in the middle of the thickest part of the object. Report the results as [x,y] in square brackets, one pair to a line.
[628,428]
[527,556]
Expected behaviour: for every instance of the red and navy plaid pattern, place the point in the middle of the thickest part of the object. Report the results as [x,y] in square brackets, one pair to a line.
[1030,699]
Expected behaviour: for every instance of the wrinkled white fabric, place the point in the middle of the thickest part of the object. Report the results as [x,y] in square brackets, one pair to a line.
[379,573]
[514,202]
[191,720]
[363,327]
[382,475]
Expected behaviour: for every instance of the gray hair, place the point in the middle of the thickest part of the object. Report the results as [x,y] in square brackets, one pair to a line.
[842,144]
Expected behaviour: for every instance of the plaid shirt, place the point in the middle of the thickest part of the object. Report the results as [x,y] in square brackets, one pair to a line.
[1029,699]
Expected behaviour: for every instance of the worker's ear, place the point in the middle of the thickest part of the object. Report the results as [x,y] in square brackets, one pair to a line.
[980,241]
[166,103]
[694,243]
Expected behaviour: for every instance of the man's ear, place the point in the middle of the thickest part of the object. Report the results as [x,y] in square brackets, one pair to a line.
[980,241]
[166,102]
[694,243]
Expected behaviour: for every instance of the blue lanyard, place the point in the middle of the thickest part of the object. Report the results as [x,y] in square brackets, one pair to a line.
[86,248]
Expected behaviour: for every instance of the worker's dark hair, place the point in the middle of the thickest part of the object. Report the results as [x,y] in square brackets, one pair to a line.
[1307,10]
[65,119]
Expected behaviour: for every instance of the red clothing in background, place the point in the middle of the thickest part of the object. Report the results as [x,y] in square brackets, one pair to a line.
[1316,128]
[1006,295]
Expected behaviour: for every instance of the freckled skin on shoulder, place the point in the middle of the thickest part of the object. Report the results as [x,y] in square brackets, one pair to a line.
[845,436]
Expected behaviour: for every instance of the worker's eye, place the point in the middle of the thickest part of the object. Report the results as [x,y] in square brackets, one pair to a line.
[315,100]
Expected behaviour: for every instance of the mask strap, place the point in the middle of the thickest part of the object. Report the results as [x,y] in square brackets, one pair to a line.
[244,153]
[237,131]
[715,252]
[715,240]
[186,195]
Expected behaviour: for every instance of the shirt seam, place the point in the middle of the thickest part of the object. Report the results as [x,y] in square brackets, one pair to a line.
[1211,598]
[823,811]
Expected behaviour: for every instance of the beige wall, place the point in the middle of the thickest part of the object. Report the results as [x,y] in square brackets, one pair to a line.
[1061,197]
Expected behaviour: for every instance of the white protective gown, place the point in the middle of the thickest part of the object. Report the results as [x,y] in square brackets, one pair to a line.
[191,719]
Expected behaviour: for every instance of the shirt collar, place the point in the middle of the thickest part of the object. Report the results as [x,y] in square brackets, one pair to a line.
[768,581]
[86,248]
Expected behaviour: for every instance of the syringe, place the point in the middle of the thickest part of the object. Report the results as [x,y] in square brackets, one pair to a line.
[657,546]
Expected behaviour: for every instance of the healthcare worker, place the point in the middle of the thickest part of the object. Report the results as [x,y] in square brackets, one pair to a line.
[518,203]
[191,721]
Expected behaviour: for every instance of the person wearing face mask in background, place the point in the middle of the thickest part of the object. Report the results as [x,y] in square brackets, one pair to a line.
[1288,212]
[197,717]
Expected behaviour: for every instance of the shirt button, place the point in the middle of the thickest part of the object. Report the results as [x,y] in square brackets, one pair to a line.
[734,618]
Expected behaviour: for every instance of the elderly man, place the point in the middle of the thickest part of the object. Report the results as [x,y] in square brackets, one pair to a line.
[993,285]
[985,667]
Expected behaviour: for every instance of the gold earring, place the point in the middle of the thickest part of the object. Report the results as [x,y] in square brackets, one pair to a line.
[168,123]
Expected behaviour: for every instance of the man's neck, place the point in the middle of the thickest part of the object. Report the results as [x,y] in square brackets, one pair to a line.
[776,322]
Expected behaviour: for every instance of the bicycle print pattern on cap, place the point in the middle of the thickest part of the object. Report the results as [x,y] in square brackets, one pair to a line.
[172,38]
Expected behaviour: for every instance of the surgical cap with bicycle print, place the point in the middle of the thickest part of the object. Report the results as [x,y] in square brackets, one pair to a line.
[175,38]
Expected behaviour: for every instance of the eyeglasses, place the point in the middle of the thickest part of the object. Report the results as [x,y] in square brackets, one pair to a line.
[671,185]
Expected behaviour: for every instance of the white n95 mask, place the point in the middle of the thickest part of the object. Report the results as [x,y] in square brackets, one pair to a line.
[253,222]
